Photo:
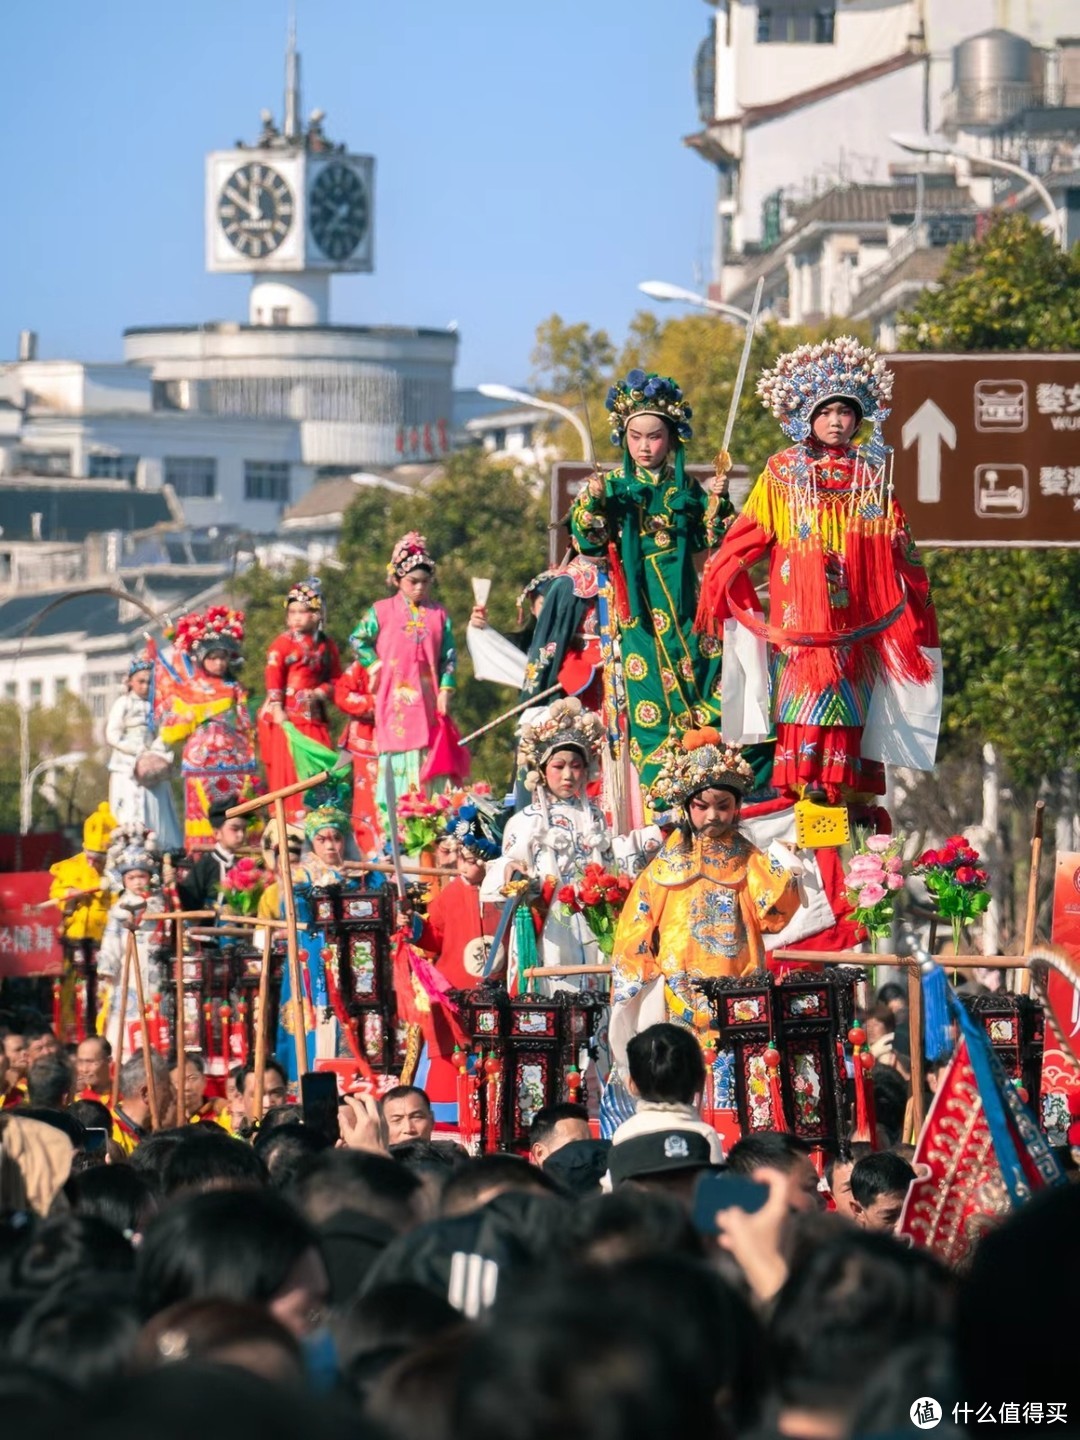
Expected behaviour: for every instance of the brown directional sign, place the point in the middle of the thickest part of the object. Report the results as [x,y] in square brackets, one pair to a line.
[987,448]
[568,476]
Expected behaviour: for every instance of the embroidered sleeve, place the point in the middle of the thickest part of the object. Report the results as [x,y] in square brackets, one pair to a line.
[275,674]
[363,639]
[447,657]
[633,956]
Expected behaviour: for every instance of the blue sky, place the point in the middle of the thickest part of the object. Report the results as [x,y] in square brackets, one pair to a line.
[529,155]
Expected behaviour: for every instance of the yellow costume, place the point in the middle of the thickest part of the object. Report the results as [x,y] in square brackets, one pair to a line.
[85,917]
[699,910]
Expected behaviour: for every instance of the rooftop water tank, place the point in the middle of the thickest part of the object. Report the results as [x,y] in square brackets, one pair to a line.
[995,75]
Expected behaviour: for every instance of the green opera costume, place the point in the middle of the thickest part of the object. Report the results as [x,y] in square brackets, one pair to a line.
[648,526]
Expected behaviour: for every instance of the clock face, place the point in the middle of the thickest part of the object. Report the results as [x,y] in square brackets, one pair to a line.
[338,211]
[255,208]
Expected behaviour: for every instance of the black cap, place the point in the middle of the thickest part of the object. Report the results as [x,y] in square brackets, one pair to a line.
[218,812]
[661,1153]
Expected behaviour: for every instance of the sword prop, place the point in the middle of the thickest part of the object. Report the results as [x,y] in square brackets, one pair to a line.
[509,714]
[723,460]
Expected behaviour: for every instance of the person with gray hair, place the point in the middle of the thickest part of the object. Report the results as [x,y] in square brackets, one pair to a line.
[133,1110]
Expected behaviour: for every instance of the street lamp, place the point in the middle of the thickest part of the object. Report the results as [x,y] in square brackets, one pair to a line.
[661,290]
[938,145]
[522,397]
[26,787]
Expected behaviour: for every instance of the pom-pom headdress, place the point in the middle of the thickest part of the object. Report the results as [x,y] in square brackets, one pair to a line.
[132,847]
[409,554]
[306,592]
[699,760]
[812,375]
[644,393]
[474,827]
[565,725]
[218,629]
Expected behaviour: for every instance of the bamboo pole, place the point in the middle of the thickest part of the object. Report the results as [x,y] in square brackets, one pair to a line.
[118,1058]
[918,1046]
[262,1020]
[178,1030]
[1023,982]
[140,1000]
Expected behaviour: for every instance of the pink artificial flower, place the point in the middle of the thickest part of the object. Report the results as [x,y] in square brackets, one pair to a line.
[878,844]
[894,882]
[894,864]
[869,895]
[865,867]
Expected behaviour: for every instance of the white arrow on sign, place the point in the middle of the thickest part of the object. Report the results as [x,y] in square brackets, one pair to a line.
[927,428]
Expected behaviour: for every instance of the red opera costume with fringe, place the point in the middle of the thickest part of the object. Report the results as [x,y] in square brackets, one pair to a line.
[849,603]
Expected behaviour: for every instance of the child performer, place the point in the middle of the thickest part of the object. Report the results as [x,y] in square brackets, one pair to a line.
[301,667]
[406,644]
[140,792]
[855,665]
[139,903]
[202,704]
[552,840]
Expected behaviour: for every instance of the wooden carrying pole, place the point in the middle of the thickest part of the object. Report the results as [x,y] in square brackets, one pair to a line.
[140,1000]
[1023,980]
[262,1020]
[277,799]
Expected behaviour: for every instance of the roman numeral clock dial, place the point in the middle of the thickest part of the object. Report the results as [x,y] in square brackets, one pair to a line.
[255,208]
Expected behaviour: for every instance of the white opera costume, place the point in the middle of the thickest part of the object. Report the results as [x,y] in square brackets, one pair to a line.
[129,732]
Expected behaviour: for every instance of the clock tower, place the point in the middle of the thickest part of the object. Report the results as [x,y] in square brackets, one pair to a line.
[290,210]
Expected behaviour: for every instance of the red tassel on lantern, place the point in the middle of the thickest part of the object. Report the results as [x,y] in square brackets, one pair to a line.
[492,1075]
[865,1114]
[772,1059]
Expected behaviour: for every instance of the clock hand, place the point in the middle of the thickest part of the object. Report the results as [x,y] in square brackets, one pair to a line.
[238,199]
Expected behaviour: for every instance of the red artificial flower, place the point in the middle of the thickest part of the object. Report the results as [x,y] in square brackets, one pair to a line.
[568,896]
[982,876]
[965,875]
[625,884]
[613,894]
[957,841]
[590,895]
[929,857]
[547,889]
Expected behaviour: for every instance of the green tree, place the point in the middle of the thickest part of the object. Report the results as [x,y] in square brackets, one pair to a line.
[1009,619]
[59,730]
[1013,289]
[568,358]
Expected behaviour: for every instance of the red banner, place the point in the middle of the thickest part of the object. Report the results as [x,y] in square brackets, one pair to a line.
[29,938]
[1061,1047]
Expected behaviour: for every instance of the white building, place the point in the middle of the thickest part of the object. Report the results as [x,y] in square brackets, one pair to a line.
[798,96]
[240,419]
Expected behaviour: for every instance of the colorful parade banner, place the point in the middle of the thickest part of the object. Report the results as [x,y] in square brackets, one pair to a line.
[1057,975]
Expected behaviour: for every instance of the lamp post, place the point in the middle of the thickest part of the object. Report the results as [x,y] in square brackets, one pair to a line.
[26,786]
[661,290]
[522,397]
[938,145]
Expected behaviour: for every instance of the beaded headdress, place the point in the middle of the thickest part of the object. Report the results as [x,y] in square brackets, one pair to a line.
[132,847]
[139,663]
[812,375]
[565,725]
[644,393]
[699,760]
[307,592]
[409,554]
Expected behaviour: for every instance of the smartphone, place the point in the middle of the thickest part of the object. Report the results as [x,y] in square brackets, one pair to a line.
[720,1190]
[319,1100]
[97,1140]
